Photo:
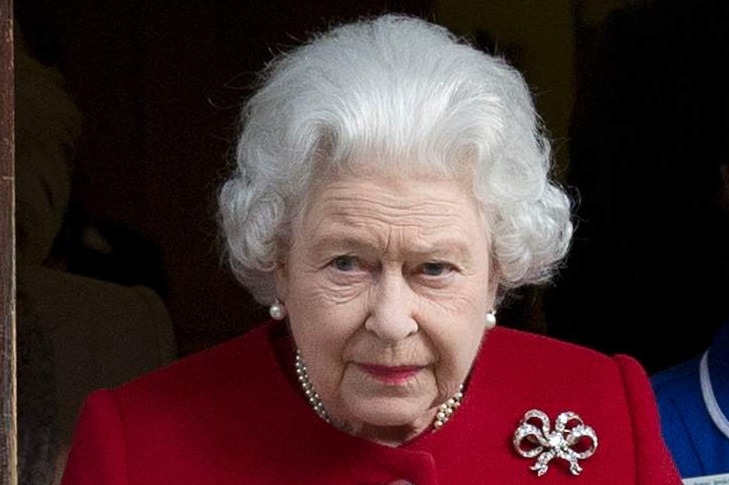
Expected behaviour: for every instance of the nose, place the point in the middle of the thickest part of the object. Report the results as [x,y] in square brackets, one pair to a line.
[391,313]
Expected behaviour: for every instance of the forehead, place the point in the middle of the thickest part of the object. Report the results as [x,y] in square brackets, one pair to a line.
[423,211]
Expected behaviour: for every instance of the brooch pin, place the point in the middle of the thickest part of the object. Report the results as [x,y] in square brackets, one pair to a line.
[571,440]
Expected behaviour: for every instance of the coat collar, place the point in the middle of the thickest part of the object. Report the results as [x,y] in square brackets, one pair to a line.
[714,377]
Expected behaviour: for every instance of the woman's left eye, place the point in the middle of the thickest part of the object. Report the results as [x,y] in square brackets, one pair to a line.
[345,263]
[435,269]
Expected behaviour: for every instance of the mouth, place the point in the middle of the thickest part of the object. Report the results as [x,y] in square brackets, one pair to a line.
[390,374]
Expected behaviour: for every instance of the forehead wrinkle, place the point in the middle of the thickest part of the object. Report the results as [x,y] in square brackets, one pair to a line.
[341,237]
[344,242]
[389,222]
[347,203]
[421,219]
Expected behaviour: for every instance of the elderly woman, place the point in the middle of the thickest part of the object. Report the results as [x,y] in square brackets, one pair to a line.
[391,185]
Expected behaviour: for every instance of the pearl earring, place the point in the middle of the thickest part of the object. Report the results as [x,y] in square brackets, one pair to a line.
[491,319]
[277,310]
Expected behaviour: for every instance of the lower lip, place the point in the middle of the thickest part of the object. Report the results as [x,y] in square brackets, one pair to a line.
[390,375]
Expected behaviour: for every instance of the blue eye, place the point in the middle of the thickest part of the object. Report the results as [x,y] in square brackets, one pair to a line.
[434,269]
[345,263]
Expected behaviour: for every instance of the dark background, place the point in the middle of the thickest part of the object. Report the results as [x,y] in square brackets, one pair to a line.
[649,270]
[159,84]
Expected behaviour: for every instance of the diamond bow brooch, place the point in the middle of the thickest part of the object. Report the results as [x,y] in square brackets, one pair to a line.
[571,440]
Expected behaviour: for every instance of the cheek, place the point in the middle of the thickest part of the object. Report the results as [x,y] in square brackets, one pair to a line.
[319,322]
[458,340]
[457,326]
[456,360]
[321,307]
[322,326]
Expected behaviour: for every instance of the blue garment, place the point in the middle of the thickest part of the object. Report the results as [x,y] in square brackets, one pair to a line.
[693,400]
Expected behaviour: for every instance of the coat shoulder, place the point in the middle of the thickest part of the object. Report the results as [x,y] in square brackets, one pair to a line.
[243,362]
[540,349]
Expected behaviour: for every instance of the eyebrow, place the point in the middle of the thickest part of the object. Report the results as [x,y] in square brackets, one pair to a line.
[447,246]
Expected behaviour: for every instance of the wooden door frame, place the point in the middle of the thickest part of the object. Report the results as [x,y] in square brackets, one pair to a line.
[8,441]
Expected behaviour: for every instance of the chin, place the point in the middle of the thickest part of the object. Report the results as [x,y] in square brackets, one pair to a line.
[391,412]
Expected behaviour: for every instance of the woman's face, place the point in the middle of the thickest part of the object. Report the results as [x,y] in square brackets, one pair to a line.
[387,285]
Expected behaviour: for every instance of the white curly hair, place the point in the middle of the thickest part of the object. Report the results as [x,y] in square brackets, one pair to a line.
[404,94]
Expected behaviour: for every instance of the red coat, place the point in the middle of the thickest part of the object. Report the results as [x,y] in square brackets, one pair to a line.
[235,415]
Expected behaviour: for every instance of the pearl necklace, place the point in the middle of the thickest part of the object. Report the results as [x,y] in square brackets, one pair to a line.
[314,400]
[444,413]
[446,409]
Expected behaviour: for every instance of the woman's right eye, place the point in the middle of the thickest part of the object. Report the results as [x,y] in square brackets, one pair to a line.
[345,263]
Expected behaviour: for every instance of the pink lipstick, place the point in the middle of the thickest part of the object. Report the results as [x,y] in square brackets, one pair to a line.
[390,375]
